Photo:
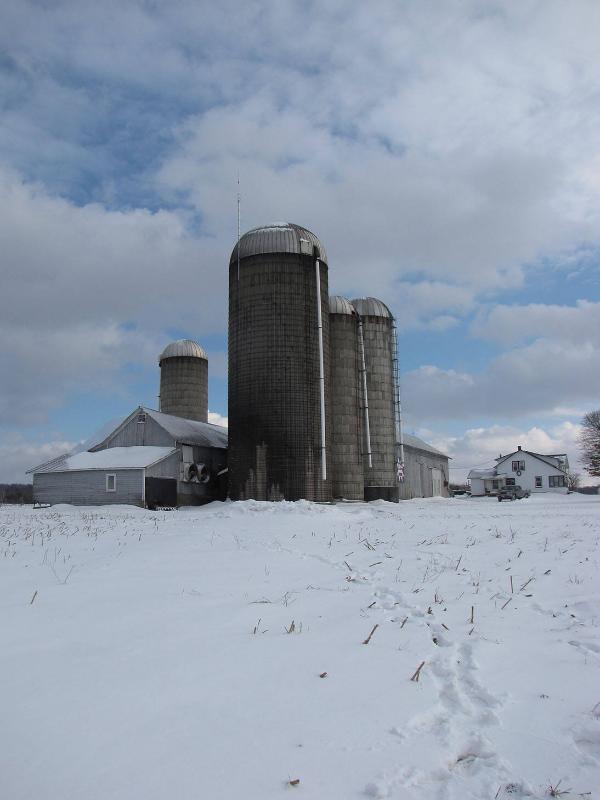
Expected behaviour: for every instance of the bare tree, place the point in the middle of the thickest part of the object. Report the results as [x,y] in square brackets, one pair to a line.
[589,442]
[573,480]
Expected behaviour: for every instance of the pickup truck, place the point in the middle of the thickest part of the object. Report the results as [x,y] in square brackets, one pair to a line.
[512,493]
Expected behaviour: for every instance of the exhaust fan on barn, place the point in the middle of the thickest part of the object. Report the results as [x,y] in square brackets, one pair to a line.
[195,473]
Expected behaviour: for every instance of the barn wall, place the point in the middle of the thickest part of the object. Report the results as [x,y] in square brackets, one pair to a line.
[141,433]
[167,468]
[215,458]
[88,487]
[417,473]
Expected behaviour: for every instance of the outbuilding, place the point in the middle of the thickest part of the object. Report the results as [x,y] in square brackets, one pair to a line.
[425,470]
[117,475]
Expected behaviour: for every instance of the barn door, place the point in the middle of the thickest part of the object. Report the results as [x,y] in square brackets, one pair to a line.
[161,492]
[436,479]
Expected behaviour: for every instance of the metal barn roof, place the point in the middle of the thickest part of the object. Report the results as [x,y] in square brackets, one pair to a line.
[111,458]
[371,307]
[278,237]
[339,305]
[183,347]
[190,431]
[419,444]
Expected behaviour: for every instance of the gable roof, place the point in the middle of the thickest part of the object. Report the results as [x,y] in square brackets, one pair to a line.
[112,458]
[183,431]
[419,444]
[551,461]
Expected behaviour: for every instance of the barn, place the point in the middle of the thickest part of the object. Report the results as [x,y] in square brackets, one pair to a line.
[425,470]
[150,459]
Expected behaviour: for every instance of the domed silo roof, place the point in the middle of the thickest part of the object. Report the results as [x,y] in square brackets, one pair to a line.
[371,307]
[186,348]
[339,305]
[278,237]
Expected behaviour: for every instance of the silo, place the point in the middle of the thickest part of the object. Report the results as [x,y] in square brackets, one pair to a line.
[346,401]
[376,335]
[184,380]
[279,428]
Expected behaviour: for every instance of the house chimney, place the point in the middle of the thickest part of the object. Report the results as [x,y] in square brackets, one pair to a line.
[518,447]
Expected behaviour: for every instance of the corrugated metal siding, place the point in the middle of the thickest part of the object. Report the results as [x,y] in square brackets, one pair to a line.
[88,487]
[141,433]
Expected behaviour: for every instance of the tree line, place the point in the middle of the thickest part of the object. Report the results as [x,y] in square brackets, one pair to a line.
[16,493]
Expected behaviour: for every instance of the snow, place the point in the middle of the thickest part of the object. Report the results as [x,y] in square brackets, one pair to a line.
[145,654]
[112,458]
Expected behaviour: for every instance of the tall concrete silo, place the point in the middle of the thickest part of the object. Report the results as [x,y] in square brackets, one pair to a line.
[184,380]
[279,431]
[347,408]
[376,335]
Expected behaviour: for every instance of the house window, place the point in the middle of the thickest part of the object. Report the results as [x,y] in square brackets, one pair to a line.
[554,481]
[510,482]
[111,482]
[518,466]
[494,484]
[141,418]
[538,481]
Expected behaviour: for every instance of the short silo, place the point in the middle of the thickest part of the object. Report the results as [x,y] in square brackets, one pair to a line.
[279,429]
[184,380]
[376,336]
[347,408]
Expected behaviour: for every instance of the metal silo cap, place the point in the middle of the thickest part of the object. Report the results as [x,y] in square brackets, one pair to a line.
[183,348]
[371,307]
[339,305]
[278,237]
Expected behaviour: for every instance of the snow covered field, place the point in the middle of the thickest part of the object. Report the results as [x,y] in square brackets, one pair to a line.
[220,652]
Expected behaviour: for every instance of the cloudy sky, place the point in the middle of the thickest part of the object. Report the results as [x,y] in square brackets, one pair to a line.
[447,154]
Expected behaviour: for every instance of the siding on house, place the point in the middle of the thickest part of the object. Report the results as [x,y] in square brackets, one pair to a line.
[533,467]
[482,480]
[88,487]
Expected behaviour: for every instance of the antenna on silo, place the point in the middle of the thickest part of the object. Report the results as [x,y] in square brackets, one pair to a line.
[239,202]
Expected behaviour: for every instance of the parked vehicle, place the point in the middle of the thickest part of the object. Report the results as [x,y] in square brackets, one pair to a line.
[512,493]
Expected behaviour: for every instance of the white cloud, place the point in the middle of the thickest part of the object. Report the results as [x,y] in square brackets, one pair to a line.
[557,371]
[437,155]
[18,455]
[508,324]
[73,276]
[217,419]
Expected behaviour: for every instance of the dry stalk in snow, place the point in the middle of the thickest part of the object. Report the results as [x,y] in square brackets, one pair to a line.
[417,672]
[368,639]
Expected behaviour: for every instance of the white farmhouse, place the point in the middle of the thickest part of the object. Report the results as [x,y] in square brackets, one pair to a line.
[533,471]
